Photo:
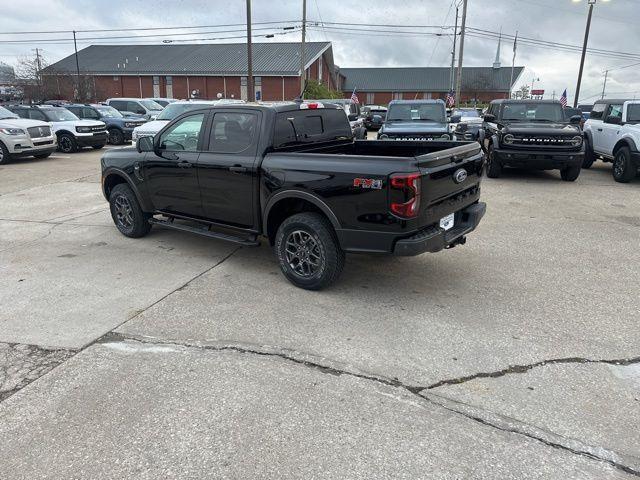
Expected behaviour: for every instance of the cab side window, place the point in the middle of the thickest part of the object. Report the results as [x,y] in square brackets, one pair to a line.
[232,132]
[76,111]
[37,115]
[597,111]
[614,111]
[135,107]
[89,113]
[118,104]
[184,135]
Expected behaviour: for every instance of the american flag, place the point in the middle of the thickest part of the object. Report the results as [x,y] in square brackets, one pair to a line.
[563,98]
[354,97]
[450,100]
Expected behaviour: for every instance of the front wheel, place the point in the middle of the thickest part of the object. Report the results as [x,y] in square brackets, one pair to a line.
[570,174]
[116,137]
[494,168]
[589,155]
[67,143]
[126,212]
[623,169]
[5,156]
[308,251]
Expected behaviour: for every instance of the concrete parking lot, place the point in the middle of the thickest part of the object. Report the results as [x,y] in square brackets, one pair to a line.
[516,355]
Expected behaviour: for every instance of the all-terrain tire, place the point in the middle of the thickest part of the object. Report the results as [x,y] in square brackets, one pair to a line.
[570,174]
[5,156]
[126,212]
[589,154]
[67,143]
[494,168]
[308,251]
[623,168]
[116,136]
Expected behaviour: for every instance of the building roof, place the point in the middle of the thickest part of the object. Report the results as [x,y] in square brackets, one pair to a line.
[426,79]
[200,59]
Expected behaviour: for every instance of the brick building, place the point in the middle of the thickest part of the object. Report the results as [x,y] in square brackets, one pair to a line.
[175,71]
[381,85]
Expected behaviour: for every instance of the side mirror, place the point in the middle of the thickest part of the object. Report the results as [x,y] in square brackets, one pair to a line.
[575,119]
[377,118]
[144,144]
[353,117]
[489,118]
[613,119]
[455,118]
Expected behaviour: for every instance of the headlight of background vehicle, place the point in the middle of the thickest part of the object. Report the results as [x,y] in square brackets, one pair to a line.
[508,139]
[83,129]
[576,141]
[12,131]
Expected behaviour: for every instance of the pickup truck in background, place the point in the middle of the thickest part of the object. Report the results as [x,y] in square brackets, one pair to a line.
[612,133]
[292,172]
[416,120]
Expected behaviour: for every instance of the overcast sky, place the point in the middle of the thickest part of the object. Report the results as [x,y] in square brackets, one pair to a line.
[614,27]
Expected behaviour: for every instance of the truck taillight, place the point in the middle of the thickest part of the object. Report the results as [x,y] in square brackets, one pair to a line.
[311,106]
[409,185]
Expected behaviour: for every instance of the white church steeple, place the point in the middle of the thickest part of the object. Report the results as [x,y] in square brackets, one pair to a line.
[496,63]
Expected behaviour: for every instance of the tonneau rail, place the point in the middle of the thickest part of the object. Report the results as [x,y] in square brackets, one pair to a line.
[453,154]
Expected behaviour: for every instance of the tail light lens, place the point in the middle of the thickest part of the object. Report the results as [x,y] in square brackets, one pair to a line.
[409,185]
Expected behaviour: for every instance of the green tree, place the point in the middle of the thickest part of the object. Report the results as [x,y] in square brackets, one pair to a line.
[315,89]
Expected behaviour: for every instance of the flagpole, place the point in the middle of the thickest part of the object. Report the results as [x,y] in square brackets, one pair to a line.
[513,62]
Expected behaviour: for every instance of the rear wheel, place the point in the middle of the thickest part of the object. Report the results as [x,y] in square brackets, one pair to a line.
[5,156]
[570,174]
[623,169]
[589,154]
[126,212]
[494,169]
[308,251]
[67,143]
[116,137]
[361,133]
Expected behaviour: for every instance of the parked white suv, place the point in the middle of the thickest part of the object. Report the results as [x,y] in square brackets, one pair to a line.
[612,133]
[170,112]
[22,137]
[71,132]
[143,107]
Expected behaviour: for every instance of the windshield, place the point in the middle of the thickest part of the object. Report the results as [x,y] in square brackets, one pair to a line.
[4,114]
[532,112]
[467,113]
[59,114]
[633,113]
[109,112]
[407,112]
[151,105]
[174,109]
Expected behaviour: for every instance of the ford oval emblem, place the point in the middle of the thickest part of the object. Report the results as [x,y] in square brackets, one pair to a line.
[460,175]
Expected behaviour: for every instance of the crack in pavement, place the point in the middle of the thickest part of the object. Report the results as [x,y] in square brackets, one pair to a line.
[549,439]
[525,368]
[72,352]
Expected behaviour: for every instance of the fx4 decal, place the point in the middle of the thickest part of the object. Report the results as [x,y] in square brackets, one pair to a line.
[367,183]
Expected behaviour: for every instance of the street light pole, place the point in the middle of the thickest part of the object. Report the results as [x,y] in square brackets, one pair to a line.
[459,72]
[604,86]
[303,54]
[250,95]
[584,52]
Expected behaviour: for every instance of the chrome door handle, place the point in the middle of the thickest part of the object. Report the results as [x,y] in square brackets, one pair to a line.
[237,169]
[184,164]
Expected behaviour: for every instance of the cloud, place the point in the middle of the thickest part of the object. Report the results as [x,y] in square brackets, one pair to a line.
[613,28]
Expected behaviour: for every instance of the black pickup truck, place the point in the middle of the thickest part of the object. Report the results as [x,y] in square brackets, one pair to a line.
[293,173]
[533,134]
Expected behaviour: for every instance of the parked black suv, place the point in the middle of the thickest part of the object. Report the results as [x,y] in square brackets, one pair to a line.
[119,126]
[419,120]
[532,134]
[373,116]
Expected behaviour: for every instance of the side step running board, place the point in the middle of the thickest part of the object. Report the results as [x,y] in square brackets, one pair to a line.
[247,242]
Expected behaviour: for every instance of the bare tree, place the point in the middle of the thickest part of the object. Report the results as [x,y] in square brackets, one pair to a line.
[30,78]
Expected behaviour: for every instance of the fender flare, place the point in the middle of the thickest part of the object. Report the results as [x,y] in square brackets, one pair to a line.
[625,140]
[285,194]
[146,206]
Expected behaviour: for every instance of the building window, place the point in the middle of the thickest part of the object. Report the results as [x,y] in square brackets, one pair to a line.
[156,80]
[397,95]
[257,81]
[169,80]
[427,95]
[370,98]
[320,68]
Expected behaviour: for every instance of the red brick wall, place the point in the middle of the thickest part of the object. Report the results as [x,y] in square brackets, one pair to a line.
[272,88]
[214,85]
[381,98]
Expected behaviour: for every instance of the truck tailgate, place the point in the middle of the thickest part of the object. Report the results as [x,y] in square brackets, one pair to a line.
[450,181]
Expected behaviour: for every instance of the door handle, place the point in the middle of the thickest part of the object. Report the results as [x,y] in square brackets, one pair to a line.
[237,169]
[184,164]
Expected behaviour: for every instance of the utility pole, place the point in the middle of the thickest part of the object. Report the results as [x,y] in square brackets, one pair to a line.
[513,62]
[452,78]
[250,95]
[75,46]
[604,86]
[302,49]
[459,73]
[584,52]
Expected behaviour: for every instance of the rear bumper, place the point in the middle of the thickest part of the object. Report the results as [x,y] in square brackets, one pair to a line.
[539,160]
[434,238]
